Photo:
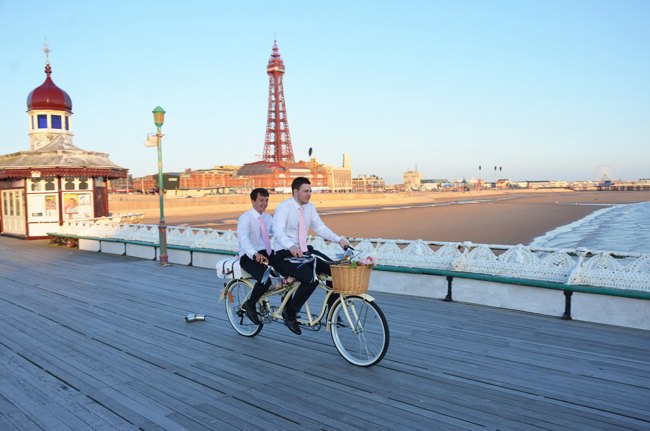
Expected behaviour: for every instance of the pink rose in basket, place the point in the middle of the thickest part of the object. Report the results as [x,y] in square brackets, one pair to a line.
[366,261]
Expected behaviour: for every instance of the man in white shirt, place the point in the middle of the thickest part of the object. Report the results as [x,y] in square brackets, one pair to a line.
[291,222]
[253,231]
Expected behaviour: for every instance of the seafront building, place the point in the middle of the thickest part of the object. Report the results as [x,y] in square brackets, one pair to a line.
[368,184]
[53,180]
[412,180]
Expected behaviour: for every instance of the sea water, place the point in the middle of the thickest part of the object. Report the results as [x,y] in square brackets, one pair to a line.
[618,228]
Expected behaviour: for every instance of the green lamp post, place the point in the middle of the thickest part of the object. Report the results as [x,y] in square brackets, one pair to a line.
[159,119]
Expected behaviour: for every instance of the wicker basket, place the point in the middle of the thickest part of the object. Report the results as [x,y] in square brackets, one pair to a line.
[350,280]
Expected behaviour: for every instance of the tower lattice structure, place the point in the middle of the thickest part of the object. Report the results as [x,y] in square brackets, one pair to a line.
[277,145]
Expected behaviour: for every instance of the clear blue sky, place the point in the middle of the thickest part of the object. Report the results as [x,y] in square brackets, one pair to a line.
[546,89]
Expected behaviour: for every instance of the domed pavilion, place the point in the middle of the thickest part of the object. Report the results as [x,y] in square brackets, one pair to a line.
[53,181]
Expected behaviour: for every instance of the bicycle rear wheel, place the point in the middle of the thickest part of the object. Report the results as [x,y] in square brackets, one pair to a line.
[362,339]
[238,291]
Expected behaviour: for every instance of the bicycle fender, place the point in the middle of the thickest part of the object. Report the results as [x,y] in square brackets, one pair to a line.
[223,293]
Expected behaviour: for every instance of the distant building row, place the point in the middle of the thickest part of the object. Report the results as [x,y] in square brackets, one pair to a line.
[275,176]
[413,182]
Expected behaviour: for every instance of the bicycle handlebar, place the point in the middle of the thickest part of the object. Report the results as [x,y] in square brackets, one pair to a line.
[348,254]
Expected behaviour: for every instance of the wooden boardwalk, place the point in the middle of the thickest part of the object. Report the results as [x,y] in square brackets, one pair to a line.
[94,341]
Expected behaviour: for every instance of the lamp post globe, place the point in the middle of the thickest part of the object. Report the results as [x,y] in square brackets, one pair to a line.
[158,116]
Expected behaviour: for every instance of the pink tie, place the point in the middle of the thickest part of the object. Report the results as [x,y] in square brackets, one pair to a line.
[302,230]
[265,236]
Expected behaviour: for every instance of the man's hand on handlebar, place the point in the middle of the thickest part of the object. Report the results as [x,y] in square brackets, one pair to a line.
[260,258]
[344,244]
[295,251]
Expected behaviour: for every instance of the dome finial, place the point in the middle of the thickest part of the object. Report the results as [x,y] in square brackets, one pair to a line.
[46,50]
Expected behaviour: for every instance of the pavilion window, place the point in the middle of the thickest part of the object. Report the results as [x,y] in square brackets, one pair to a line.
[36,185]
[67,123]
[42,121]
[32,122]
[83,183]
[56,121]
[69,184]
[49,184]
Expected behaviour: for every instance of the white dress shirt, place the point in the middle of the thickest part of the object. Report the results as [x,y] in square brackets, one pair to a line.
[249,232]
[285,224]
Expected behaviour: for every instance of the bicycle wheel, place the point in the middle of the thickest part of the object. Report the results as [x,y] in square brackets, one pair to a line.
[238,291]
[363,338]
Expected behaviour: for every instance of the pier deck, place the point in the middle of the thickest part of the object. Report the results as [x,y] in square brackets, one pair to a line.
[93,341]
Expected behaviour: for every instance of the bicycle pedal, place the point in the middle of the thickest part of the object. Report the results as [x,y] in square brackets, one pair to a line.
[313,328]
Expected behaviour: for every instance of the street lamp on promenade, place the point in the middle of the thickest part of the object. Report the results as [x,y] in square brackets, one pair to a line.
[159,119]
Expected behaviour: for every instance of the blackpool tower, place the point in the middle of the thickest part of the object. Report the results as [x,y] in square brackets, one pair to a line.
[277,145]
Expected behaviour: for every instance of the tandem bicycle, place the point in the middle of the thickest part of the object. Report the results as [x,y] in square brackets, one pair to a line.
[357,325]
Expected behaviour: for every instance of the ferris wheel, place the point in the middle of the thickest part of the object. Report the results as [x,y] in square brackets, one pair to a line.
[605,172]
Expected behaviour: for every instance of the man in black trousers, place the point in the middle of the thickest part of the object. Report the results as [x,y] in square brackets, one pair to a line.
[253,231]
[291,222]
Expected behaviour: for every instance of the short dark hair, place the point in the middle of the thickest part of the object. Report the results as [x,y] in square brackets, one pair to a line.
[259,191]
[298,182]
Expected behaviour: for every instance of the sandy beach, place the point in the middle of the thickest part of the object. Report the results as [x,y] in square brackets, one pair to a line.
[510,217]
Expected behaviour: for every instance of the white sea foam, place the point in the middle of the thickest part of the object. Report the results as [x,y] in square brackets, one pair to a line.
[620,228]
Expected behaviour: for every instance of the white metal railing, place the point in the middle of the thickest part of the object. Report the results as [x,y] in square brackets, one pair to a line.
[571,266]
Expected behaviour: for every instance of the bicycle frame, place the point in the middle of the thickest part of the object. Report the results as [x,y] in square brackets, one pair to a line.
[312,319]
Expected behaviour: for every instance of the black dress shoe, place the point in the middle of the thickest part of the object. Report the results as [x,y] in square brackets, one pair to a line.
[251,312]
[291,323]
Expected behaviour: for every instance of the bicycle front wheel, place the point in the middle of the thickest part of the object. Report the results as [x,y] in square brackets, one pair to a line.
[361,335]
[238,291]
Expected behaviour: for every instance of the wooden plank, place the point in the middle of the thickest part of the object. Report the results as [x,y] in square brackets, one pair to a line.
[13,418]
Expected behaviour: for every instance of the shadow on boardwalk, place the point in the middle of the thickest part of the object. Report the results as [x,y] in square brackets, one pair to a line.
[94,341]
